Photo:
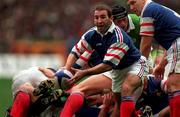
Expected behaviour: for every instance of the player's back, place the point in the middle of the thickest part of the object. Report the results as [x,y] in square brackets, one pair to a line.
[32,76]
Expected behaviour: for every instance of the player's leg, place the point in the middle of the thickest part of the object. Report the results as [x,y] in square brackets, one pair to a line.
[21,101]
[174,95]
[44,86]
[133,79]
[128,105]
[165,112]
[173,81]
[44,101]
[92,85]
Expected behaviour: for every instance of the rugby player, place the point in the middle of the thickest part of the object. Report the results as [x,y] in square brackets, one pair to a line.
[162,24]
[118,54]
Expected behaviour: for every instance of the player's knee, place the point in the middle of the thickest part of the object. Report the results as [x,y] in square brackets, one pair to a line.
[80,89]
[126,89]
[173,83]
[28,88]
[75,89]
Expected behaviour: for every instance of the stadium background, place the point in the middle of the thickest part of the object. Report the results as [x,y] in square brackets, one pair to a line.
[41,33]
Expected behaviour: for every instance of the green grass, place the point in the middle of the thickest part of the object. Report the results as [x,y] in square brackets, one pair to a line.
[5,95]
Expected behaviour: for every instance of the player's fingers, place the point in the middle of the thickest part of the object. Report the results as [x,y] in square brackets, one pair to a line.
[74,70]
[41,69]
[71,81]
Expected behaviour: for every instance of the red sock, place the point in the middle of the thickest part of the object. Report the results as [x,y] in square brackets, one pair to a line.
[20,105]
[174,103]
[127,107]
[73,103]
[136,113]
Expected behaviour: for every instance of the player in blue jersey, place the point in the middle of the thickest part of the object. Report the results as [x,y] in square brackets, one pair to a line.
[162,24]
[154,95]
[120,58]
[152,101]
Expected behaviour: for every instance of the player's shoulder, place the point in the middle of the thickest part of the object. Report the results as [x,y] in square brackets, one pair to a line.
[90,32]
[151,9]
[133,16]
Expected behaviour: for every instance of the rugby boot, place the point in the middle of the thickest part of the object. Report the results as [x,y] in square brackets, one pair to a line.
[146,112]
[44,101]
[44,87]
[51,97]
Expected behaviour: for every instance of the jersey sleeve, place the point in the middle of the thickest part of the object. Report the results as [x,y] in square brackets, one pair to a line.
[115,53]
[81,47]
[84,58]
[147,23]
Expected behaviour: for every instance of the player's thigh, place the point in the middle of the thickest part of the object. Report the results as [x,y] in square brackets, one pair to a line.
[93,84]
[173,82]
[164,112]
[130,84]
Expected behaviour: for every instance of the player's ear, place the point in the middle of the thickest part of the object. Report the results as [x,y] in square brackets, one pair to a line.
[111,18]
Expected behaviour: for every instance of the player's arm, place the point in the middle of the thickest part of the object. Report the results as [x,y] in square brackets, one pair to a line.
[111,60]
[70,61]
[76,52]
[145,46]
[160,68]
[100,68]
[147,33]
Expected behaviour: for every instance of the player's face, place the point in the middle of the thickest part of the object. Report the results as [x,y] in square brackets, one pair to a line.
[136,5]
[123,23]
[102,20]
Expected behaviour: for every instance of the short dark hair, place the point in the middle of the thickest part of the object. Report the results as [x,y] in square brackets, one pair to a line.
[102,6]
[118,12]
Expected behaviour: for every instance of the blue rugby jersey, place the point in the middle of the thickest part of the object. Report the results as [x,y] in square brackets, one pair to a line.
[153,96]
[114,47]
[160,22]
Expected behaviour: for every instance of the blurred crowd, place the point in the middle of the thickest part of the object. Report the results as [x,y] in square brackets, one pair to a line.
[49,20]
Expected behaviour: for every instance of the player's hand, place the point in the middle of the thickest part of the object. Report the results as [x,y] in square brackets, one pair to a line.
[47,72]
[94,99]
[108,100]
[158,72]
[77,76]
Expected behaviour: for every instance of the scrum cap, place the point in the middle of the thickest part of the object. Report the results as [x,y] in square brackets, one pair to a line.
[119,12]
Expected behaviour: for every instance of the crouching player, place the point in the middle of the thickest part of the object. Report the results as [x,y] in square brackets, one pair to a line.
[154,95]
[23,86]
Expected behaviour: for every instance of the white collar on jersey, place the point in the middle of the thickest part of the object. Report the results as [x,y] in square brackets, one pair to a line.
[111,29]
[147,2]
[131,25]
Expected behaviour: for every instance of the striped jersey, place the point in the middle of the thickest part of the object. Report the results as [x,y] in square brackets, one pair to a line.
[115,47]
[160,22]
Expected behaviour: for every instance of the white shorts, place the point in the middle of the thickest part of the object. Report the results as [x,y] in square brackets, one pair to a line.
[31,76]
[173,58]
[140,68]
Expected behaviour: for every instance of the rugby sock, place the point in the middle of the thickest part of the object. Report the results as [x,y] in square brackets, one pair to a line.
[137,113]
[127,107]
[73,104]
[20,105]
[174,102]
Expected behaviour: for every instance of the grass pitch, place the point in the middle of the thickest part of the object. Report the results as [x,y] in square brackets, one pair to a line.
[5,95]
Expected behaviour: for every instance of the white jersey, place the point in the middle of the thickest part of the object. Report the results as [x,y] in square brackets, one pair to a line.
[31,76]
